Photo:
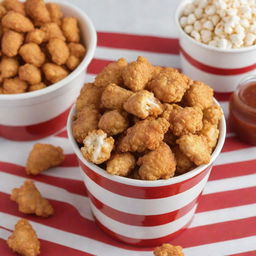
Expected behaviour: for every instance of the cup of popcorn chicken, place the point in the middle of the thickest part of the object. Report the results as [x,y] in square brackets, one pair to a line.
[217,41]
[45,50]
[146,138]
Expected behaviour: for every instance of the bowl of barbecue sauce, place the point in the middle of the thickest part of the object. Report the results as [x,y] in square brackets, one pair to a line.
[242,107]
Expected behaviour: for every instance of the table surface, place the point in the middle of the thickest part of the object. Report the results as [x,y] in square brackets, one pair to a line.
[225,222]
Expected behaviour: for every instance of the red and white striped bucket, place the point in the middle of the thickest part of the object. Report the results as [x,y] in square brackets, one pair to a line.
[141,212]
[38,114]
[221,69]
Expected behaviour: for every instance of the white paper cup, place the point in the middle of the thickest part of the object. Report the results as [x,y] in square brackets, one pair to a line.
[221,69]
[38,114]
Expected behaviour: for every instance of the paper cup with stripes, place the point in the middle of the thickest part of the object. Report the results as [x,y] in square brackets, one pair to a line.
[221,69]
[140,212]
[38,114]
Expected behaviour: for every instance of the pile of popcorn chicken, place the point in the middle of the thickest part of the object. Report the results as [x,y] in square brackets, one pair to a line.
[146,122]
[39,46]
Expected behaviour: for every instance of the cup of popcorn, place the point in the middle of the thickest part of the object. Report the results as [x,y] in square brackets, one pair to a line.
[45,50]
[146,138]
[217,41]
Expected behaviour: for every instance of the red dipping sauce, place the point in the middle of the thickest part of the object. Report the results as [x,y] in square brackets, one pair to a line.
[242,111]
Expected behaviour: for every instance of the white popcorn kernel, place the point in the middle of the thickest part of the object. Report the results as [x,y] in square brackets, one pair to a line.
[239,29]
[213,43]
[245,23]
[222,13]
[191,18]
[231,12]
[202,3]
[208,25]
[221,4]
[210,10]
[215,19]
[197,26]
[253,28]
[228,28]
[196,35]
[183,21]
[188,29]
[250,39]
[219,29]
[189,8]
[206,35]
[236,40]
[246,12]
[222,43]
[198,12]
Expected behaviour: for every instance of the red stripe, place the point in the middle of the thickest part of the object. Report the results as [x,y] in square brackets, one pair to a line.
[141,220]
[251,253]
[215,70]
[70,161]
[36,131]
[62,134]
[97,65]
[139,42]
[222,96]
[234,143]
[143,192]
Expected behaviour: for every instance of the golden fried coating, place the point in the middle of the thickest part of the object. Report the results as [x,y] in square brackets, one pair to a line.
[3,11]
[114,97]
[72,62]
[77,50]
[30,74]
[11,42]
[137,74]
[23,240]
[97,147]
[58,50]
[168,250]
[156,71]
[89,95]
[157,164]
[112,73]
[32,54]
[36,9]
[36,36]
[87,120]
[14,86]
[9,67]
[113,122]
[42,157]
[52,30]
[143,104]
[35,87]
[169,85]
[17,22]
[170,138]
[183,162]
[168,110]
[14,5]
[121,164]
[200,95]
[54,73]
[70,29]
[195,147]
[1,90]
[186,120]
[146,134]
[213,114]
[30,200]
[211,133]
[55,12]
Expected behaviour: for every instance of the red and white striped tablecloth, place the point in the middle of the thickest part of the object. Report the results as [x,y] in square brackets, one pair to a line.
[225,222]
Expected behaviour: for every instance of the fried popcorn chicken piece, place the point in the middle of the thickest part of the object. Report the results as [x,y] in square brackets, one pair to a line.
[3,11]
[157,164]
[9,67]
[72,62]
[200,95]
[55,12]
[1,90]
[54,73]
[35,87]
[36,9]
[43,157]
[169,85]
[97,147]
[183,162]
[89,95]
[14,86]
[112,73]
[58,50]
[52,30]
[30,74]
[87,120]
[30,200]
[168,110]
[213,114]
[36,36]
[168,250]
[11,42]
[170,138]
[113,96]
[121,164]
[137,74]
[195,147]
[186,120]
[14,5]
[145,134]
[32,54]
[77,50]
[17,22]
[156,71]
[70,29]
[143,104]
[113,122]
[24,240]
